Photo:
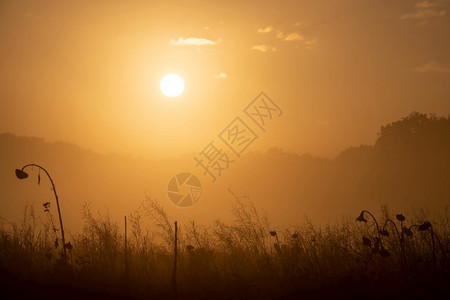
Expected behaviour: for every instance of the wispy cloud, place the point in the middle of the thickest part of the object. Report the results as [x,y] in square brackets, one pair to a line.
[425,11]
[293,37]
[433,66]
[191,42]
[426,4]
[424,14]
[265,29]
[221,75]
[310,44]
[263,48]
[290,37]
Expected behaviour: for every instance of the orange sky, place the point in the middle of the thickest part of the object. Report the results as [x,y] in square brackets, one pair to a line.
[88,72]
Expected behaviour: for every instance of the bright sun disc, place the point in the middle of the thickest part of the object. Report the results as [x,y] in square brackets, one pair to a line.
[172,85]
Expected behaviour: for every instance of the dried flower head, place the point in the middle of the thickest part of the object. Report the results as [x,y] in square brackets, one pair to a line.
[400,217]
[426,225]
[21,174]
[46,206]
[361,218]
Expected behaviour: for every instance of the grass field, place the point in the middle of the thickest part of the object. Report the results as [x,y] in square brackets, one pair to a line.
[352,259]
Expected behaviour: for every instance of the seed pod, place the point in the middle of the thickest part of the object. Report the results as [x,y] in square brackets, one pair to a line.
[426,225]
[400,217]
[361,218]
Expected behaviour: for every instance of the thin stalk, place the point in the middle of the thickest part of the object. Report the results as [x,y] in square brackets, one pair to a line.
[174,273]
[376,223]
[434,251]
[57,204]
[126,248]
[400,239]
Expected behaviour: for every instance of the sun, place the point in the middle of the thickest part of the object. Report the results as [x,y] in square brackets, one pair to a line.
[172,85]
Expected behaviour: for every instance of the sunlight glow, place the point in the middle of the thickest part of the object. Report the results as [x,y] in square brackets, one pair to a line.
[172,85]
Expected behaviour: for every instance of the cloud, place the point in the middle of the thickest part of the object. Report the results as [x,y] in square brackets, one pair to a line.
[263,48]
[426,4]
[294,36]
[266,29]
[221,75]
[424,14]
[425,10]
[286,37]
[291,37]
[433,66]
[191,42]
[310,44]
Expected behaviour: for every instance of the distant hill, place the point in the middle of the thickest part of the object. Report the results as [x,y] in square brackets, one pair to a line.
[408,166]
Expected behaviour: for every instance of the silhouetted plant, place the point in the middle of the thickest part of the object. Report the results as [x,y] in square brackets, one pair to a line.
[400,217]
[220,260]
[425,226]
[384,232]
[21,174]
[361,218]
[276,245]
[69,246]
[379,248]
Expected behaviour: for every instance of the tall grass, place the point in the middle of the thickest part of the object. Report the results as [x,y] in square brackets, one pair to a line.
[246,259]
